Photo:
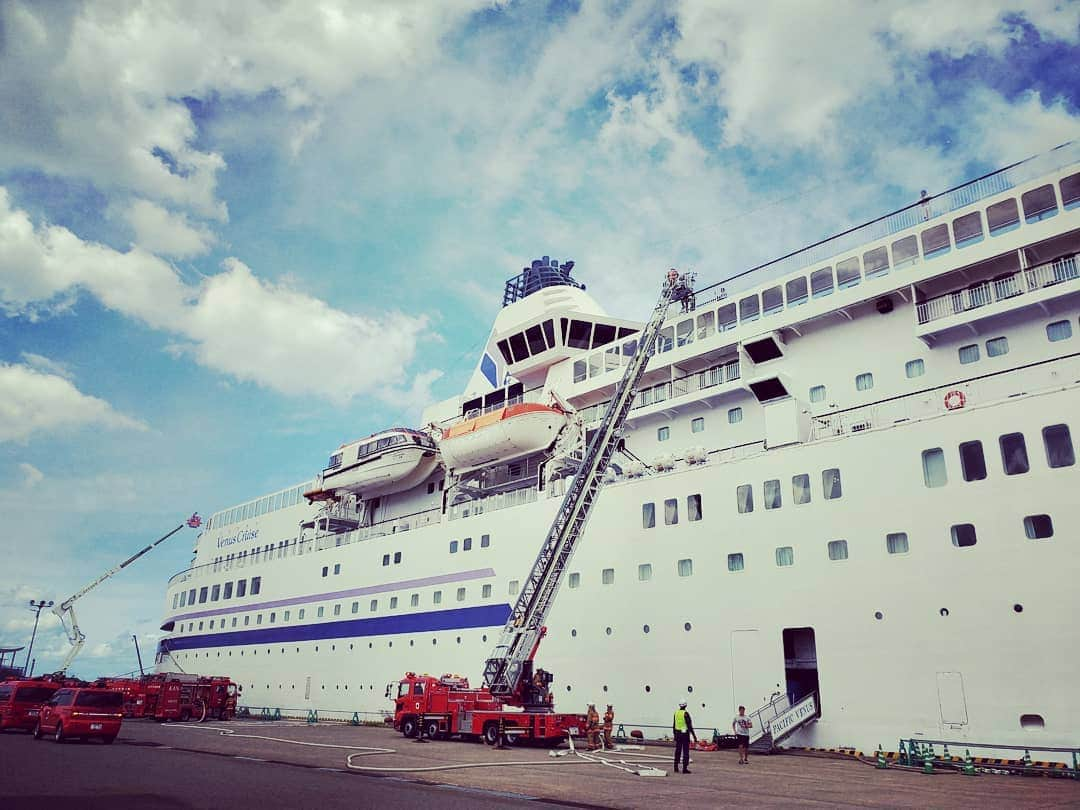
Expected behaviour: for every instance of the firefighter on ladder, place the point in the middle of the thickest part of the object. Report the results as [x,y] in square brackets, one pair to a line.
[609,726]
[592,727]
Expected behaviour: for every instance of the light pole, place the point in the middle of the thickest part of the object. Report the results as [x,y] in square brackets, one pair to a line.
[36,607]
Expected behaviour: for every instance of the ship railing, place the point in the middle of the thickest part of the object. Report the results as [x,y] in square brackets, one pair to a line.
[1046,375]
[533,395]
[493,503]
[913,215]
[985,293]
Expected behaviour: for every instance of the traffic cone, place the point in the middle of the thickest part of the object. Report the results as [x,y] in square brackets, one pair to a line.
[502,732]
[1027,763]
[312,716]
[945,756]
[355,719]
[969,765]
[881,763]
[928,759]
[904,758]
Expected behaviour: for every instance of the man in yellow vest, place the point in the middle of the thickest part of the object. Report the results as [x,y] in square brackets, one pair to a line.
[683,728]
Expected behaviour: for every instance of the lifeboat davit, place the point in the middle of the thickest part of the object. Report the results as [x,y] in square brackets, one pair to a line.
[501,435]
[390,461]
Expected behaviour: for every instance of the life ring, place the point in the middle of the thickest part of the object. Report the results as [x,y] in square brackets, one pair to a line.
[955,400]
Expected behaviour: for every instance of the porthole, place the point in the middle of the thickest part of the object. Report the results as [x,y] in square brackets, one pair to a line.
[316,648]
[1018,608]
[944,611]
[645,628]
[333,647]
[369,646]
[434,641]
[459,639]
[350,646]
[389,644]
[484,637]
[687,627]
[283,649]
[879,615]
[410,642]
[607,630]
[648,688]
[1031,721]
[568,687]
[689,689]
[219,655]
[298,649]
[573,632]
[605,687]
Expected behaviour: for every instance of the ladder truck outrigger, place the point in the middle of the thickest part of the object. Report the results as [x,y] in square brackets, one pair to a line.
[447,706]
[65,610]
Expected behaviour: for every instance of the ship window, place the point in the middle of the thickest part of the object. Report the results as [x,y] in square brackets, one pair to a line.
[202,594]
[935,240]
[995,347]
[663,433]
[1058,443]
[705,325]
[896,543]
[933,467]
[967,229]
[373,605]
[385,559]
[175,600]
[183,598]
[772,300]
[671,511]
[665,341]
[648,515]
[969,353]
[518,347]
[436,598]
[504,350]
[485,540]
[453,547]
[485,592]
[1002,217]
[319,612]
[830,483]
[300,615]
[693,508]
[800,488]
[461,594]
[611,358]
[876,262]
[355,609]
[326,570]
[644,572]
[1028,721]
[241,588]
[513,587]
[596,364]
[1038,527]
[466,544]
[905,251]
[575,580]
[393,603]
[771,496]
[581,370]
[821,282]
[972,461]
[607,576]
[817,393]
[1014,456]
[697,425]
[337,610]
[603,334]
[685,568]
[735,562]
[725,318]
[963,535]
[1039,203]
[744,497]
[914,368]
[549,333]
[1070,191]
[838,550]
[397,559]
[629,349]
[535,337]
[749,309]
[215,593]
[684,332]
[785,556]
[1058,330]
[864,381]
[795,291]
[734,416]
[579,335]
[847,273]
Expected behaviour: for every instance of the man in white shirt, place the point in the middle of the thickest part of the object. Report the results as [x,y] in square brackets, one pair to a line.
[742,726]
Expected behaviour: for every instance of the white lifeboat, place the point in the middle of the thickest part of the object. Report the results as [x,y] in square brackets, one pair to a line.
[502,435]
[390,461]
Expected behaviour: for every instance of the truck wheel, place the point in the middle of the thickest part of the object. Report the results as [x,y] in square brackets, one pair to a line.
[491,733]
[185,715]
[409,727]
[431,729]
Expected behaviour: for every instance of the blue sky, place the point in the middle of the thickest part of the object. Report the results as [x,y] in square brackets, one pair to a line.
[232,239]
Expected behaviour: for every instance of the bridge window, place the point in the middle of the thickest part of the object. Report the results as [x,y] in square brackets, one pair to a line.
[830,483]
[202,594]
[535,338]
[1059,448]
[665,340]
[963,535]
[603,334]
[1058,330]
[795,291]
[725,318]
[1038,527]
[744,497]
[772,300]
[914,368]
[693,508]
[772,494]
[611,359]
[644,572]
[256,585]
[969,353]
[607,576]
[1039,203]
[876,262]
[785,556]
[684,332]
[575,580]
[671,511]
[1014,456]
[821,282]
[1002,217]
[749,309]
[580,332]
[518,347]
[685,568]
[905,251]
[705,325]
[838,550]
[935,240]
[847,273]
[896,543]
[734,416]
[663,433]
[581,370]
[817,393]
[697,425]
[972,461]
[648,515]
[995,347]
[596,364]
[800,488]
[735,562]
[864,381]
[215,593]
[967,230]
[933,466]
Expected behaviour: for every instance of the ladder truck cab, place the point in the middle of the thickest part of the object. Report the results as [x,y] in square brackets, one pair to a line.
[446,707]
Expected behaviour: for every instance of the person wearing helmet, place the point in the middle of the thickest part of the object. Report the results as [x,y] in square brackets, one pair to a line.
[592,727]
[609,725]
[683,728]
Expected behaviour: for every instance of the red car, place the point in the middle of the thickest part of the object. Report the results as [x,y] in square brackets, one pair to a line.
[20,702]
[81,712]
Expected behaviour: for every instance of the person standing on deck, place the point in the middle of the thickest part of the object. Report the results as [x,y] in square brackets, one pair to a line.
[609,725]
[683,728]
[742,726]
[592,727]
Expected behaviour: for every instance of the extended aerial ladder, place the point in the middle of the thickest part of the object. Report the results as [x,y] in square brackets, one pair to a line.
[65,610]
[507,671]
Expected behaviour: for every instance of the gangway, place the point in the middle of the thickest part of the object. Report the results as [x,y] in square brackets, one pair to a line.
[508,671]
[780,718]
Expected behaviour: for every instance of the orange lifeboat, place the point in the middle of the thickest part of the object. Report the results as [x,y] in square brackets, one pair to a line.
[502,435]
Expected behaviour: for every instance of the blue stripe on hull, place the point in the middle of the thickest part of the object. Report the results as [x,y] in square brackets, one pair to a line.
[458,619]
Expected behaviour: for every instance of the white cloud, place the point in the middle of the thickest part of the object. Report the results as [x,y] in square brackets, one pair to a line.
[32,402]
[32,476]
[166,233]
[49,366]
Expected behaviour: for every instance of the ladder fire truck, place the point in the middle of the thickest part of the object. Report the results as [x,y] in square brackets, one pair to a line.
[515,702]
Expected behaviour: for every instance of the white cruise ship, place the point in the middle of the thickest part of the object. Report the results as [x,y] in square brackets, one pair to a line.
[849,473]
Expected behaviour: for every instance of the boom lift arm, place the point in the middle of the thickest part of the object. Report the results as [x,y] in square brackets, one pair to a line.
[509,667]
[65,610]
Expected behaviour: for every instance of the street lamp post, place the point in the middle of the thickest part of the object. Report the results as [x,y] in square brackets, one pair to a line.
[36,607]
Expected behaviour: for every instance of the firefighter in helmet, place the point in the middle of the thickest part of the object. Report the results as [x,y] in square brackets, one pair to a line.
[609,725]
[592,727]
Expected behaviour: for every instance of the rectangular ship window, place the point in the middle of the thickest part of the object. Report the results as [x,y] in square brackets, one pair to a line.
[914,368]
[574,580]
[337,610]
[436,598]
[1059,448]
[355,607]
[744,497]
[969,353]
[1038,527]
[735,562]
[414,600]
[485,592]
[644,572]
[461,594]
[800,488]
[320,612]
[995,347]
[513,587]
[785,556]
[393,603]
[693,508]
[772,494]
[896,543]
[202,594]
[686,568]
[1058,330]
[671,511]
[256,585]
[373,605]
[215,593]
[838,550]
[972,461]
[830,483]
[241,587]
[648,515]
[933,466]
[698,424]
[228,591]
[607,576]
[1014,456]
[963,535]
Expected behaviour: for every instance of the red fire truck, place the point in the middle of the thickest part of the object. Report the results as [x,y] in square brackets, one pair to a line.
[181,696]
